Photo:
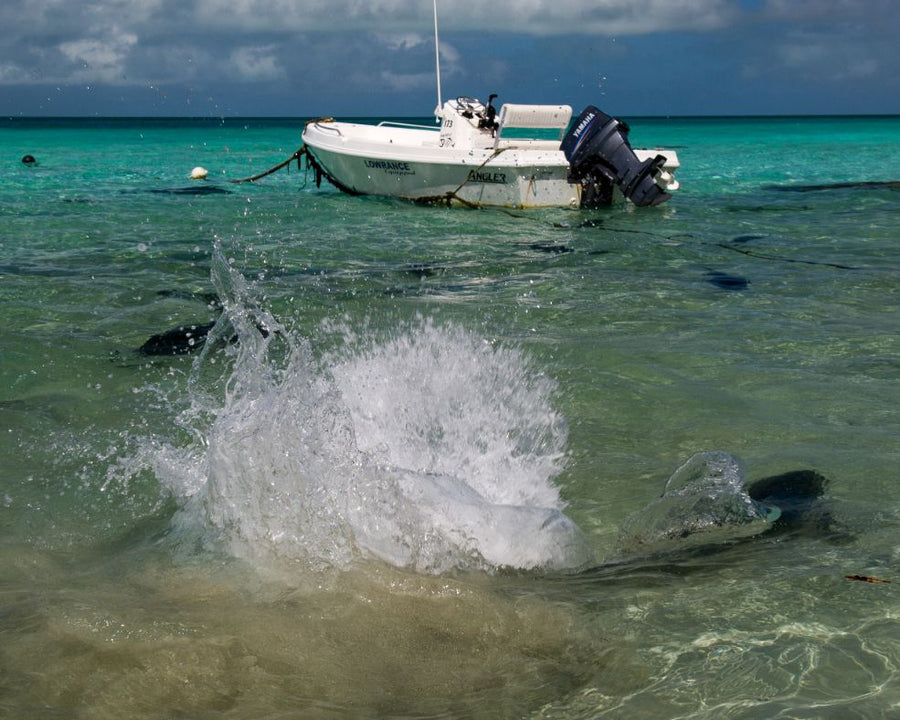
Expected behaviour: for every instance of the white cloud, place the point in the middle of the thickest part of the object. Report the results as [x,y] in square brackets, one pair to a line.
[538,17]
[11,73]
[100,59]
[136,41]
[256,63]
[405,41]
[404,82]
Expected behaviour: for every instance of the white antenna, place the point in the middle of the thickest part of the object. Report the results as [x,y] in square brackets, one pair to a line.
[438,113]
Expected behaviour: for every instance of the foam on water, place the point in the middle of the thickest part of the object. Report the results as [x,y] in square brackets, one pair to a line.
[428,448]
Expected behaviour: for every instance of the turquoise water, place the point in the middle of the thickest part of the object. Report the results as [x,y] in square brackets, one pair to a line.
[331,518]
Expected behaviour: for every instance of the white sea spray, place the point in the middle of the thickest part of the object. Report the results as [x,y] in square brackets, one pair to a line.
[425,446]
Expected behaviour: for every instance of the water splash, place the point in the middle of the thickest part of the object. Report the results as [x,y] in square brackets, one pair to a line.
[705,502]
[424,446]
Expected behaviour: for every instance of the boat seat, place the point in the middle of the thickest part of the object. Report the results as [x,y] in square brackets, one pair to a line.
[533,117]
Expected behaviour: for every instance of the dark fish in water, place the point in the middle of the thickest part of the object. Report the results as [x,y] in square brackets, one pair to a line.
[708,510]
[184,339]
[746,238]
[867,185]
[423,269]
[190,190]
[788,489]
[725,281]
[177,341]
[709,506]
[207,298]
[589,223]
[796,494]
[193,190]
[550,248]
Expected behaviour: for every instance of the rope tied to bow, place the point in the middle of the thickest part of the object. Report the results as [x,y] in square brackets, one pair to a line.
[296,156]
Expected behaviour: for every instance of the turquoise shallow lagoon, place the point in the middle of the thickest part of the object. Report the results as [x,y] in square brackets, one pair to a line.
[282,524]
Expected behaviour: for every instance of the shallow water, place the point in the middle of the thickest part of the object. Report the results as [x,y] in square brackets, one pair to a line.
[314,522]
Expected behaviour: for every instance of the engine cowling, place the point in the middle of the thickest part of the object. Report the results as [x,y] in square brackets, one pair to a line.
[600,157]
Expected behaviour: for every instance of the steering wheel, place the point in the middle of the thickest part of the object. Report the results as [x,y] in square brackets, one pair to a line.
[472,105]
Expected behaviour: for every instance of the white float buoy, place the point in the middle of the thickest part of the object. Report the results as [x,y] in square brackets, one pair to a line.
[199,173]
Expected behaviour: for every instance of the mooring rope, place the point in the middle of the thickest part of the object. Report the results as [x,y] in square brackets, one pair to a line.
[762,256]
[452,195]
[447,197]
[296,156]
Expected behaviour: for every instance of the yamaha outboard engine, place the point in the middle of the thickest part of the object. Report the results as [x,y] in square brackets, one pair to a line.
[599,156]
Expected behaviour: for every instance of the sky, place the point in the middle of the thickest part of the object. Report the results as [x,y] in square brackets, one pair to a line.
[375,58]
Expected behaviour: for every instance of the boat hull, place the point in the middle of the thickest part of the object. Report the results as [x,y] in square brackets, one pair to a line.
[418,163]
[415,167]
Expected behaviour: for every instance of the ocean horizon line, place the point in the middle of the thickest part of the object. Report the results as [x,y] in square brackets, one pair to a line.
[5,118]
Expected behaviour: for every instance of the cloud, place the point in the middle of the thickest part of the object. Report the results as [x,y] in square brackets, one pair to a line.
[405,41]
[838,42]
[134,41]
[13,74]
[404,82]
[538,17]
[256,63]
[815,57]
[99,59]
[379,53]
[832,12]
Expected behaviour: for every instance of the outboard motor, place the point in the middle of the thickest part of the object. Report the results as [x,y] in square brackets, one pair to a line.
[599,156]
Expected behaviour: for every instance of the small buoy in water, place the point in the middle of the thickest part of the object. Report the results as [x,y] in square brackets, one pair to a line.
[199,173]
[29,160]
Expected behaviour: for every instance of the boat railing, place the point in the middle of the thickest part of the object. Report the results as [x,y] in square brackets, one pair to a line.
[394,123]
[329,127]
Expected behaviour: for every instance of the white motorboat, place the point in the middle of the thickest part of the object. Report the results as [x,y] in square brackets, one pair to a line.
[474,160]
[527,156]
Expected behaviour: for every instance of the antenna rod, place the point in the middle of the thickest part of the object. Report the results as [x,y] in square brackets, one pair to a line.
[438,113]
